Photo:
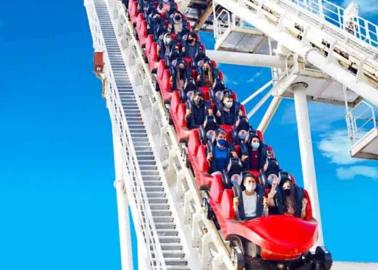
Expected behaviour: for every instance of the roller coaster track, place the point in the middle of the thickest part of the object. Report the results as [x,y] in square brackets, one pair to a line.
[152,180]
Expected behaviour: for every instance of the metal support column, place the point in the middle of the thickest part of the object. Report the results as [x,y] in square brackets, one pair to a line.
[122,203]
[124,226]
[307,155]
[273,106]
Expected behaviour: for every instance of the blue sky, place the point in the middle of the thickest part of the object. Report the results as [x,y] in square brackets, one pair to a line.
[57,200]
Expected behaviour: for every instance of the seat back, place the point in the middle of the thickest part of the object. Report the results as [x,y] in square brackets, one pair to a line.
[149,41]
[133,10]
[160,69]
[153,56]
[227,204]
[242,108]
[260,135]
[175,101]
[166,86]
[309,206]
[202,161]
[181,120]
[193,142]
[216,189]
[205,91]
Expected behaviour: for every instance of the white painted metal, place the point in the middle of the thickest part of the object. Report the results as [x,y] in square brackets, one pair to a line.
[257,92]
[354,266]
[307,155]
[124,225]
[192,223]
[140,167]
[259,104]
[246,59]
[159,167]
[271,110]
[362,119]
[279,24]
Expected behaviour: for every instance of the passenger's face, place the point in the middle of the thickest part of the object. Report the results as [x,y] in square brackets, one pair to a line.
[221,136]
[249,180]
[255,140]
[286,185]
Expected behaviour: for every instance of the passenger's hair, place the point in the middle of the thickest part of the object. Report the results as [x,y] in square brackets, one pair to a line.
[248,174]
[220,131]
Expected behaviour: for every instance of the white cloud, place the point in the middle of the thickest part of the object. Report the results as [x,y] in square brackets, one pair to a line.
[227,80]
[322,116]
[335,146]
[353,171]
[254,77]
[366,6]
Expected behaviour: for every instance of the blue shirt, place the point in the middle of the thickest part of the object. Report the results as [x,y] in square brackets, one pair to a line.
[221,158]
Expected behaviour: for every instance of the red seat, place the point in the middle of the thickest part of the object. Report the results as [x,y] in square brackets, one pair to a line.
[309,206]
[255,174]
[147,47]
[242,108]
[205,91]
[260,135]
[227,204]
[142,32]
[201,168]
[234,96]
[133,10]
[228,129]
[165,86]
[216,190]
[203,163]
[160,69]
[174,104]
[153,57]
[193,142]
[177,111]
[220,75]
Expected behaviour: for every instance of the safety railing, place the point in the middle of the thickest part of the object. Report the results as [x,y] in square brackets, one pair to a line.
[360,121]
[222,23]
[355,25]
[135,182]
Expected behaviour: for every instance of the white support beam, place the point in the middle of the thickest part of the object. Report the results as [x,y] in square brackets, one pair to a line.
[348,79]
[246,59]
[124,226]
[257,92]
[122,204]
[337,72]
[306,151]
[273,106]
[259,104]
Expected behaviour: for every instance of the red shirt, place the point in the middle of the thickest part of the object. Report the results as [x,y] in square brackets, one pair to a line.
[254,159]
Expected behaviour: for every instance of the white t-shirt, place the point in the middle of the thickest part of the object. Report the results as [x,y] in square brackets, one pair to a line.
[250,202]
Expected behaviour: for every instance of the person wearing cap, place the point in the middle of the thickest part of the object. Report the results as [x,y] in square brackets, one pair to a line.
[196,110]
[219,152]
[248,203]
[228,110]
[253,154]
